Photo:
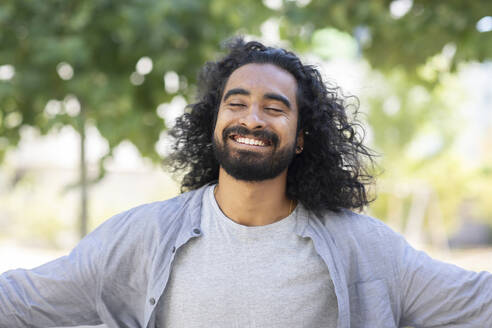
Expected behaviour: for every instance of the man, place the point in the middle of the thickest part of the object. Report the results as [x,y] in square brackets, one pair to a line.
[264,237]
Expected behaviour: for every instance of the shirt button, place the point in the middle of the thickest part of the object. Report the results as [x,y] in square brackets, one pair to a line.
[174,249]
[196,231]
[152,301]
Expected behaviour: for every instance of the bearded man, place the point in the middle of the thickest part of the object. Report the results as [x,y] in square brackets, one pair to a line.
[263,235]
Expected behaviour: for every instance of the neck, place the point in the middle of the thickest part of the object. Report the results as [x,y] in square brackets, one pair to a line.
[253,203]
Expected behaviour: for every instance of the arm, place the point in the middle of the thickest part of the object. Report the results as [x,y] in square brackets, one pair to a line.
[437,294]
[61,292]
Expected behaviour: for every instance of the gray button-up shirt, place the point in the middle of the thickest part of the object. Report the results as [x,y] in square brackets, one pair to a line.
[117,274]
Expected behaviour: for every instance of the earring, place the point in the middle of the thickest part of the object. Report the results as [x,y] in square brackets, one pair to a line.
[299,149]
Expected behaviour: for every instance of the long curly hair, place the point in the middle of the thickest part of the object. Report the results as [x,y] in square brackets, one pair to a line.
[331,172]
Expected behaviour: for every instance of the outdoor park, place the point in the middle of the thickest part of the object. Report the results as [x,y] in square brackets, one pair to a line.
[89,89]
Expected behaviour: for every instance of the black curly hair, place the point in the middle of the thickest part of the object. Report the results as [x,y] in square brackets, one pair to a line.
[332,171]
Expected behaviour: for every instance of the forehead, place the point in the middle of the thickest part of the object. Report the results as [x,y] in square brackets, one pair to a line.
[263,78]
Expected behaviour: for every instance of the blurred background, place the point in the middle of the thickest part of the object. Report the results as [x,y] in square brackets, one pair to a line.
[89,88]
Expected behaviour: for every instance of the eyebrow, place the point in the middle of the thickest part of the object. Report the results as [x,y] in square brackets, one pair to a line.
[236,91]
[273,96]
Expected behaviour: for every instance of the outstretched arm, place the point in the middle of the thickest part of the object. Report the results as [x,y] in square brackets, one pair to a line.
[61,292]
[437,294]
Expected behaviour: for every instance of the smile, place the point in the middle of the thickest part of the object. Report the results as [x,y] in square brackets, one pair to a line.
[250,141]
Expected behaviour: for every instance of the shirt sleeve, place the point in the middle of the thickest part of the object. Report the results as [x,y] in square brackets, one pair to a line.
[58,293]
[438,294]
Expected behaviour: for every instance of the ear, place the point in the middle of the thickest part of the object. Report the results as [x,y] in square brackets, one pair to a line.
[300,142]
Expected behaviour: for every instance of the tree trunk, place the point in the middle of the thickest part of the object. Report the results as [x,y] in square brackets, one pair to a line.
[83,176]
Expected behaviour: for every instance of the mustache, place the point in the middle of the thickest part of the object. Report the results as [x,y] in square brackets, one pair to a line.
[245,132]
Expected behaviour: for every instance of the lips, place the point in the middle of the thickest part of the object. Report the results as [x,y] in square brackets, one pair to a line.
[250,141]
[242,135]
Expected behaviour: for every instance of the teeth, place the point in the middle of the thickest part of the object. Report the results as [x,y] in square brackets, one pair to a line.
[249,141]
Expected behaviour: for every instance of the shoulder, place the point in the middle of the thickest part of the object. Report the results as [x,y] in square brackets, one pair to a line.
[158,210]
[151,218]
[362,236]
[367,247]
[348,222]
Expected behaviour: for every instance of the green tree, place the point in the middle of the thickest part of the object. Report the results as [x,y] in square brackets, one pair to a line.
[397,34]
[76,62]
[418,46]
[81,61]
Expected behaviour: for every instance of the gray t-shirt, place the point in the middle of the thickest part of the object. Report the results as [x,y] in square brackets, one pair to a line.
[240,276]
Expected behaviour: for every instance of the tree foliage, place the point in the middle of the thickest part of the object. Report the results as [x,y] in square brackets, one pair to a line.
[103,40]
[413,108]
[401,33]
[101,43]
[78,58]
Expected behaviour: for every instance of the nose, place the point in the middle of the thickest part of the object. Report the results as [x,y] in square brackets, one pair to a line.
[252,118]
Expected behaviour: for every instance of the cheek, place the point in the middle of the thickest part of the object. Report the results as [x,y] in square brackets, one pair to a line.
[223,119]
[289,126]
[289,132]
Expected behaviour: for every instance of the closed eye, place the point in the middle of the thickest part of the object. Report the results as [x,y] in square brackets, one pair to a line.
[274,109]
[237,105]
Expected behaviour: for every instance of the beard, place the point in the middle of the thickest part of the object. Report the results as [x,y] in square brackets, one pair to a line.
[250,165]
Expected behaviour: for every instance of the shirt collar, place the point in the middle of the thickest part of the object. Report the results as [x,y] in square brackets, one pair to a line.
[192,216]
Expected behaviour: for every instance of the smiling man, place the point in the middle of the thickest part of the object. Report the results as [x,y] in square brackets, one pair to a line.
[255,139]
[263,235]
